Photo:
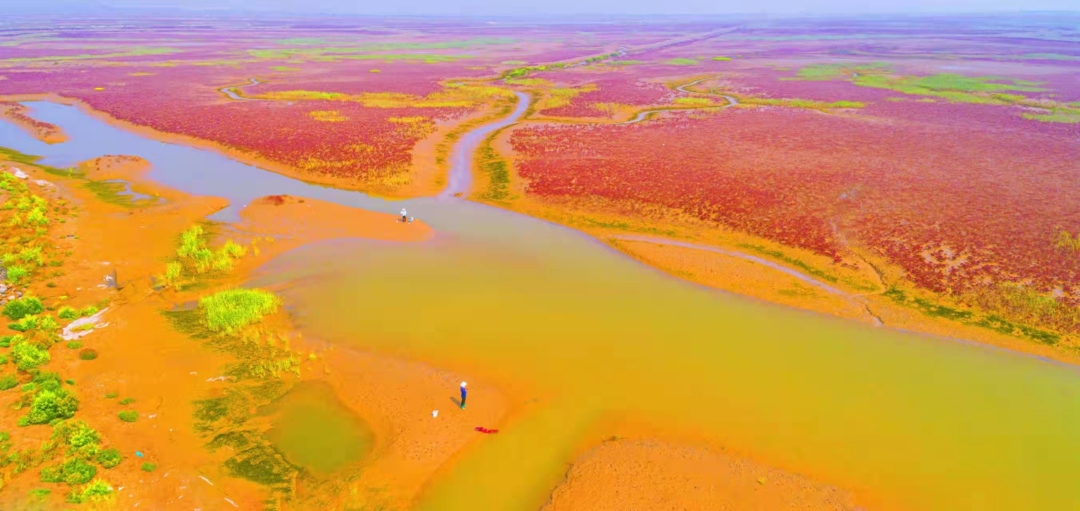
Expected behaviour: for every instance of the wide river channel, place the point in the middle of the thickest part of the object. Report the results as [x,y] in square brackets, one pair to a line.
[922,422]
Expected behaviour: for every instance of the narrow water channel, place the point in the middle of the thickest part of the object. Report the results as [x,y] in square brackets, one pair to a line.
[922,422]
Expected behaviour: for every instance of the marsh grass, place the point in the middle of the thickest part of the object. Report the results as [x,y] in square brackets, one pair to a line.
[229,311]
[497,169]
[119,193]
[1020,304]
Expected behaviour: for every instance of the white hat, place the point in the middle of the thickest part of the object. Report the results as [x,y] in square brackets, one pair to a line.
[463,384]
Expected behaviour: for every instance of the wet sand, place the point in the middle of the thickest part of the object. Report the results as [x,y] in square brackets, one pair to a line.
[22,117]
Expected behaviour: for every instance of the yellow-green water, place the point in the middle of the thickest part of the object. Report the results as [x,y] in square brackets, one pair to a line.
[316,431]
[933,424]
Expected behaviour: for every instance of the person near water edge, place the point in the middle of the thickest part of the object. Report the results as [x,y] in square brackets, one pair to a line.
[463,394]
[404,216]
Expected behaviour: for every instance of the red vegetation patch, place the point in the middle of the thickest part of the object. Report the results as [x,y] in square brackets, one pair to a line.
[953,205]
[624,90]
[274,200]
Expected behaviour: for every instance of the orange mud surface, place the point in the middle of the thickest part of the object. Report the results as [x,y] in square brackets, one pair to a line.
[302,221]
[396,397]
[645,473]
[141,356]
[17,115]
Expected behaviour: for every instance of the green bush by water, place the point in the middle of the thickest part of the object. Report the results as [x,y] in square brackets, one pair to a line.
[229,311]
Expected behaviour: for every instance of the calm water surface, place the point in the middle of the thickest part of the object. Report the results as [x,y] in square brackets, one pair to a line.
[927,423]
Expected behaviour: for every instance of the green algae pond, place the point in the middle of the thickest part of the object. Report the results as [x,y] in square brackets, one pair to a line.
[314,430]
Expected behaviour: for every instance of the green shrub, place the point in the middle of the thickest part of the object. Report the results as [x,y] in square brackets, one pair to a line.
[128,415]
[77,433]
[28,356]
[95,491]
[88,354]
[68,313]
[148,467]
[25,324]
[7,340]
[112,395]
[229,311]
[88,311]
[15,273]
[8,381]
[52,404]
[26,306]
[72,471]
[47,324]
[3,359]
[109,458]
[31,256]
[127,401]
[74,344]
[190,242]
[233,249]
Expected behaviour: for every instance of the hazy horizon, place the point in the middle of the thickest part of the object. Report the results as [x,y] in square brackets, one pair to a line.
[553,7]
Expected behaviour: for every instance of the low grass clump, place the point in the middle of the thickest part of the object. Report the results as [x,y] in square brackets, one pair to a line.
[128,415]
[149,467]
[229,311]
[681,62]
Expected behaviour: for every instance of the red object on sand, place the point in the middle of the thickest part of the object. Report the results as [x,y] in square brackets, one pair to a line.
[487,431]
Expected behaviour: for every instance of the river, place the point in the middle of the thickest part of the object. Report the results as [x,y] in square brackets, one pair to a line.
[922,422]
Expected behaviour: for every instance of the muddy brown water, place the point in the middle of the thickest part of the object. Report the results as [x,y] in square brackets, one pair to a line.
[923,422]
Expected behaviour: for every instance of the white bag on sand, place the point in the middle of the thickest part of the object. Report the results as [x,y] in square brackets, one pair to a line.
[435,413]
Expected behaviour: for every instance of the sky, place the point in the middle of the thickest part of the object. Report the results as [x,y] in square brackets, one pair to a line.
[554,7]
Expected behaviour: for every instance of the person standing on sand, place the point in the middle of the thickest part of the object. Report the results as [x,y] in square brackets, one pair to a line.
[463,394]
[404,216]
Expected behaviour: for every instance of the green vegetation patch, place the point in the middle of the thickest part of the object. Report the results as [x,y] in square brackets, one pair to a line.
[952,87]
[835,71]
[1062,116]
[681,62]
[134,52]
[693,101]
[1044,56]
[26,306]
[229,311]
[497,170]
